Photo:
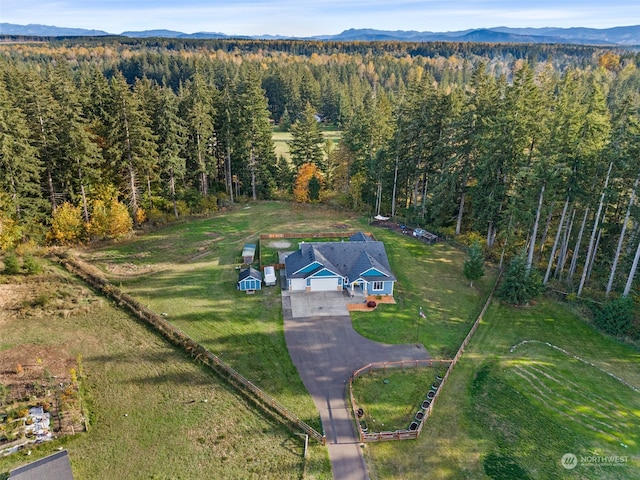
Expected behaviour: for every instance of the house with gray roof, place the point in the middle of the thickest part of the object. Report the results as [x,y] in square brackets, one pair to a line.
[53,467]
[359,266]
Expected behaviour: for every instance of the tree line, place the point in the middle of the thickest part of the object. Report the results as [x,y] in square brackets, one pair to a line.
[531,150]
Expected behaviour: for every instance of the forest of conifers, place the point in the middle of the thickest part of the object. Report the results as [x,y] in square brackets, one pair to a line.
[532,149]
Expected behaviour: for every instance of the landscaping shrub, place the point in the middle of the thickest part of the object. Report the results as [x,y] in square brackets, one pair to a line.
[31,265]
[11,264]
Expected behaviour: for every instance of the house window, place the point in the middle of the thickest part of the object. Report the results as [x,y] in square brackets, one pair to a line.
[377,286]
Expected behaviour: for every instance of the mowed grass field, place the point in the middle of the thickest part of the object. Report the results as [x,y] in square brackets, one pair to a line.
[155,414]
[535,383]
[281,139]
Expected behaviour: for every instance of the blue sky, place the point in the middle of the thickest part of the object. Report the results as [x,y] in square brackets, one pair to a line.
[313,17]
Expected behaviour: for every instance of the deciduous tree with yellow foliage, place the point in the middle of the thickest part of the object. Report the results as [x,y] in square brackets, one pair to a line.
[309,183]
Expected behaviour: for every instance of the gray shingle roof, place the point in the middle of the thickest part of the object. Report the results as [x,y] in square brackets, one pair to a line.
[360,237]
[348,259]
[53,467]
[249,272]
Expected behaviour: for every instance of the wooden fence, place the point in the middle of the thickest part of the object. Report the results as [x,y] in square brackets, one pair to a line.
[405,434]
[193,348]
[288,235]
[409,434]
[343,234]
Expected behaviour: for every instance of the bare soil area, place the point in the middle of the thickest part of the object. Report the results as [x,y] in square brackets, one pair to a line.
[33,373]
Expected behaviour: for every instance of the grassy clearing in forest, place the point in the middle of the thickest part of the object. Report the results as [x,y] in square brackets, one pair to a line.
[194,284]
[281,139]
[154,413]
[503,413]
[507,413]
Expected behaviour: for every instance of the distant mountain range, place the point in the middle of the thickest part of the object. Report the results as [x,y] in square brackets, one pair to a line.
[628,36]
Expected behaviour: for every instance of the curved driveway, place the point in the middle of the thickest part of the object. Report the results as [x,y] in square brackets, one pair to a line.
[326,350]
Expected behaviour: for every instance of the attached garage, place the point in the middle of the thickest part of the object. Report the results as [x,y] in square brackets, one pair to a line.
[323,284]
[297,284]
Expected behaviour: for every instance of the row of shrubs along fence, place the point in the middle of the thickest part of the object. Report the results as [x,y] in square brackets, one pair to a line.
[193,348]
[431,396]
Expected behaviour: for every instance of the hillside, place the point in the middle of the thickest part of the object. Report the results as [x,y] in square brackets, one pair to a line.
[623,35]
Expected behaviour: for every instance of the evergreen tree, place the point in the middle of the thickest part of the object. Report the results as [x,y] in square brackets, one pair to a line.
[307,140]
[42,112]
[20,167]
[198,111]
[253,136]
[132,148]
[171,137]
[474,264]
[519,285]
[11,264]
[76,151]
[224,127]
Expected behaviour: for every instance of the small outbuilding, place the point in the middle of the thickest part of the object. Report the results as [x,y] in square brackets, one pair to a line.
[248,253]
[249,280]
[270,278]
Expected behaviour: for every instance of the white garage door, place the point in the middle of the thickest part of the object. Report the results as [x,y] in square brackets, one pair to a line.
[324,284]
[298,284]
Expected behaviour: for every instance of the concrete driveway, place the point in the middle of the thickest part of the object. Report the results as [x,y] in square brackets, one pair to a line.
[326,350]
[319,304]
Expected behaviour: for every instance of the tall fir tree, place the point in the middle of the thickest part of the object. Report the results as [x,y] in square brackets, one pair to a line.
[132,148]
[307,140]
[253,136]
[20,167]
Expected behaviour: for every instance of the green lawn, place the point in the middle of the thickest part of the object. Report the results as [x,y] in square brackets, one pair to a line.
[391,398]
[154,413]
[514,413]
[281,139]
[502,414]
[431,278]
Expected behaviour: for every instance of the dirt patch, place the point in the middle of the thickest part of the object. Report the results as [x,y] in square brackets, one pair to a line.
[279,244]
[33,373]
[25,368]
[364,306]
[128,269]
